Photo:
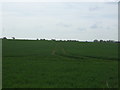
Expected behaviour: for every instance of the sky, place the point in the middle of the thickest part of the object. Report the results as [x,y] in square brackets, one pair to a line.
[60,20]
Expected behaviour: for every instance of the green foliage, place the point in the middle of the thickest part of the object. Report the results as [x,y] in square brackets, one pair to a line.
[48,64]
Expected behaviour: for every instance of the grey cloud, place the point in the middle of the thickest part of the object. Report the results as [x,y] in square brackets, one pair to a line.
[81,29]
[63,25]
[69,5]
[94,26]
[67,17]
[95,8]
[113,3]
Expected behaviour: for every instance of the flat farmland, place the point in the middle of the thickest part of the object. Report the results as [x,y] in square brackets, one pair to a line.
[59,64]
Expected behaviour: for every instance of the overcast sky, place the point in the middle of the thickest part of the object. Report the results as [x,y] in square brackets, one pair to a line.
[60,20]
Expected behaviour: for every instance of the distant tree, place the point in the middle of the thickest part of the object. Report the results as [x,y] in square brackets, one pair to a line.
[111,41]
[101,41]
[64,40]
[4,38]
[59,40]
[118,41]
[53,39]
[75,41]
[42,39]
[37,39]
[68,40]
[96,40]
[13,38]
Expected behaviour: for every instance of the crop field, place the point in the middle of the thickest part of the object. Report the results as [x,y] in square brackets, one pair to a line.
[58,64]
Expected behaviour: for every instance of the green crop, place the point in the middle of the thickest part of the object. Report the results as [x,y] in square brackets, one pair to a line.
[52,64]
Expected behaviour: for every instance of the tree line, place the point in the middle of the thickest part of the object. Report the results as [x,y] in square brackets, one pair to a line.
[71,40]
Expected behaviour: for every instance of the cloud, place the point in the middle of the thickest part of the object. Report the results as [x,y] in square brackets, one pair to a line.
[94,26]
[95,8]
[112,3]
[60,20]
[81,29]
[63,25]
[59,0]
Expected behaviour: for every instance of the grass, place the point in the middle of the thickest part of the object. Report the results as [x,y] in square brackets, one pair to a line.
[50,64]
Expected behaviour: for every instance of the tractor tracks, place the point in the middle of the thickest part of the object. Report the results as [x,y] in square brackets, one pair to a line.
[67,55]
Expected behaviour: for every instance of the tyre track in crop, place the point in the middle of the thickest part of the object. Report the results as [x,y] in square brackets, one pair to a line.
[58,48]
[64,53]
[87,57]
[54,51]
